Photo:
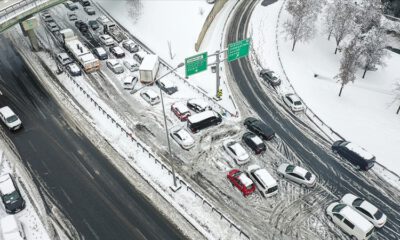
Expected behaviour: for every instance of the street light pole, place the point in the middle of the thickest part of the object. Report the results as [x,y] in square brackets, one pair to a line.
[175,187]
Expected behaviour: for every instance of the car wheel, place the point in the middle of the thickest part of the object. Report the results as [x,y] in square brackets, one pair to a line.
[329,217]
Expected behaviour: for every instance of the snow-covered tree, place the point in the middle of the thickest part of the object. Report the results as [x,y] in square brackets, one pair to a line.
[348,63]
[301,26]
[374,49]
[340,19]
[370,14]
[134,8]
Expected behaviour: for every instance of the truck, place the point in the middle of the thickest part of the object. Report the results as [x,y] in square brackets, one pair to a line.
[111,29]
[80,52]
[148,69]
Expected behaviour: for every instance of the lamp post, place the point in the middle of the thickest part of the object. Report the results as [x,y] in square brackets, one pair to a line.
[175,187]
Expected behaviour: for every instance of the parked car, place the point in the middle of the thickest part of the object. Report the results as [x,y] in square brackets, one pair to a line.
[241,181]
[236,151]
[115,66]
[72,17]
[103,20]
[265,183]
[293,102]
[269,77]
[131,65]
[64,59]
[355,154]
[84,3]
[138,56]
[117,52]
[71,5]
[350,221]
[167,86]
[366,209]
[100,53]
[203,120]
[82,27]
[11,228]
[150,96]
[89,10]
[10,195]
[254,142]
[53,27]
[260,128]
[182,137]
[180,110]
[297,174]
[198,105]
[74,69]
[10,119]
[130,82]
[47,17]
[130,46]
[93,24]
[106,40]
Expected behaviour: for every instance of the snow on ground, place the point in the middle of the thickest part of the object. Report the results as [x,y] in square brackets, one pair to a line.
[365,114]
[33,226]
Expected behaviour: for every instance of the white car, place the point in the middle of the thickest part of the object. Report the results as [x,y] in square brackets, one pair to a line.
[182,137]
[236,151]
[9,118]
[107,40]
[293,102]
[297,174]
[150,96]
[64,59]
[103,20]
[73,69]
[11,228]
[366,209]
[131,65]
[265,183]
[115,66]
[130,82]
[350,221]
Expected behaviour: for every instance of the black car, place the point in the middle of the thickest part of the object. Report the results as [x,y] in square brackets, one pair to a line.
[137,58]
[260,128]
[94,24]
[83,27]
[167,86]
[100,53]
[254,142]
[10,195]
[269,77]
[197,105]
[84,3]
[356,155]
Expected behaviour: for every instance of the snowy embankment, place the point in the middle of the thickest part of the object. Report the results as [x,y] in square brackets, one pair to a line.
[364,114]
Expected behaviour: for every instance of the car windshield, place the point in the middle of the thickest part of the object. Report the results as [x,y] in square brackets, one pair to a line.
[11,198]
[290,168]
[308,176]
[12,119]
[378,215]
[338,207]
[297,103]
[357,202]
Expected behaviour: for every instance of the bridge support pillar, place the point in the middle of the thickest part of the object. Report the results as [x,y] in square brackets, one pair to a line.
[28,28]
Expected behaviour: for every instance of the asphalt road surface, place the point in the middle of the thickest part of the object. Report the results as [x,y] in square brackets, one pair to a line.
[91,193]
[340,178]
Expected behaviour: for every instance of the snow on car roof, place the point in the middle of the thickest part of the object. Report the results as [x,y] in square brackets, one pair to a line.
[199,102]
[151,93]
[130,61]
[148,62]
[264,176]
[6,184]
[105,36]
[128,79]
[74,67]
[113,62]
[182,108]
[183,134]
[100,50]
[9,224]
[239,150]
[7,112]
[200,116]
[257,140]
[245,179]
[299,171]
[294,97]
[118,50]
[359,150]
[356,218]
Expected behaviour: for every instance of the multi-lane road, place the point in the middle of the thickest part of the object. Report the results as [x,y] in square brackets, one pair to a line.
[337,176]
[68,170]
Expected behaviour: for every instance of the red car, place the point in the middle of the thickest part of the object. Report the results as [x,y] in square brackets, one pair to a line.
[241,181]
[180,110]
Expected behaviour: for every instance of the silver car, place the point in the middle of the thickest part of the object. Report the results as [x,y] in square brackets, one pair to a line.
[115,66]
[182,137]
[150,96]
[297,174]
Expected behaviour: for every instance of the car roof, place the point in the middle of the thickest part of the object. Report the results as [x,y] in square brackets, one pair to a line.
[200,116]
[356,218]
[369,207]
[256,139]
[6,184]
[359,150]
[239,150]
[151,93]
[113,61]
[182,108]
[101,50]
[74,67]
[118,49]
[299,171]
[264,176]
[293,96]
[183,134]
[245,179]
[7,112]
[167,83]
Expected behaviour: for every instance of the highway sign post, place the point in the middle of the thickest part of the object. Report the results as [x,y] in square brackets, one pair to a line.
[238,49]
[196,64]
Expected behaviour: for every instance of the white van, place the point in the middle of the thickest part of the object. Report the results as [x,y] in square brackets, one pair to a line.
[9,118]
[350,221]
[11,229]
[266,184]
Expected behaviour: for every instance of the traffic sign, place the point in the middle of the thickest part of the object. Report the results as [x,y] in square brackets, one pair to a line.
[196,64]
[238,49]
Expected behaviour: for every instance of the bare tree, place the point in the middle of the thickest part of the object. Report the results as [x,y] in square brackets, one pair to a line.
[348,63]
[134,8]
[374,49]
[301,27]
[171,54]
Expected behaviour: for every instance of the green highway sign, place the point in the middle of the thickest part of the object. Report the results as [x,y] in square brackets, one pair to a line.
[238,49]
[196,64]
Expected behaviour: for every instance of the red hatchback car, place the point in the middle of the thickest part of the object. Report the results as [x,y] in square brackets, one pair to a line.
[180,110]
[241,181]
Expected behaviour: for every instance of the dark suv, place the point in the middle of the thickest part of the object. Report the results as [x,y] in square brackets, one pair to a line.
[254,142]
[10,195]
[83,27]
[260,128]
[269,77]
[356,155]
